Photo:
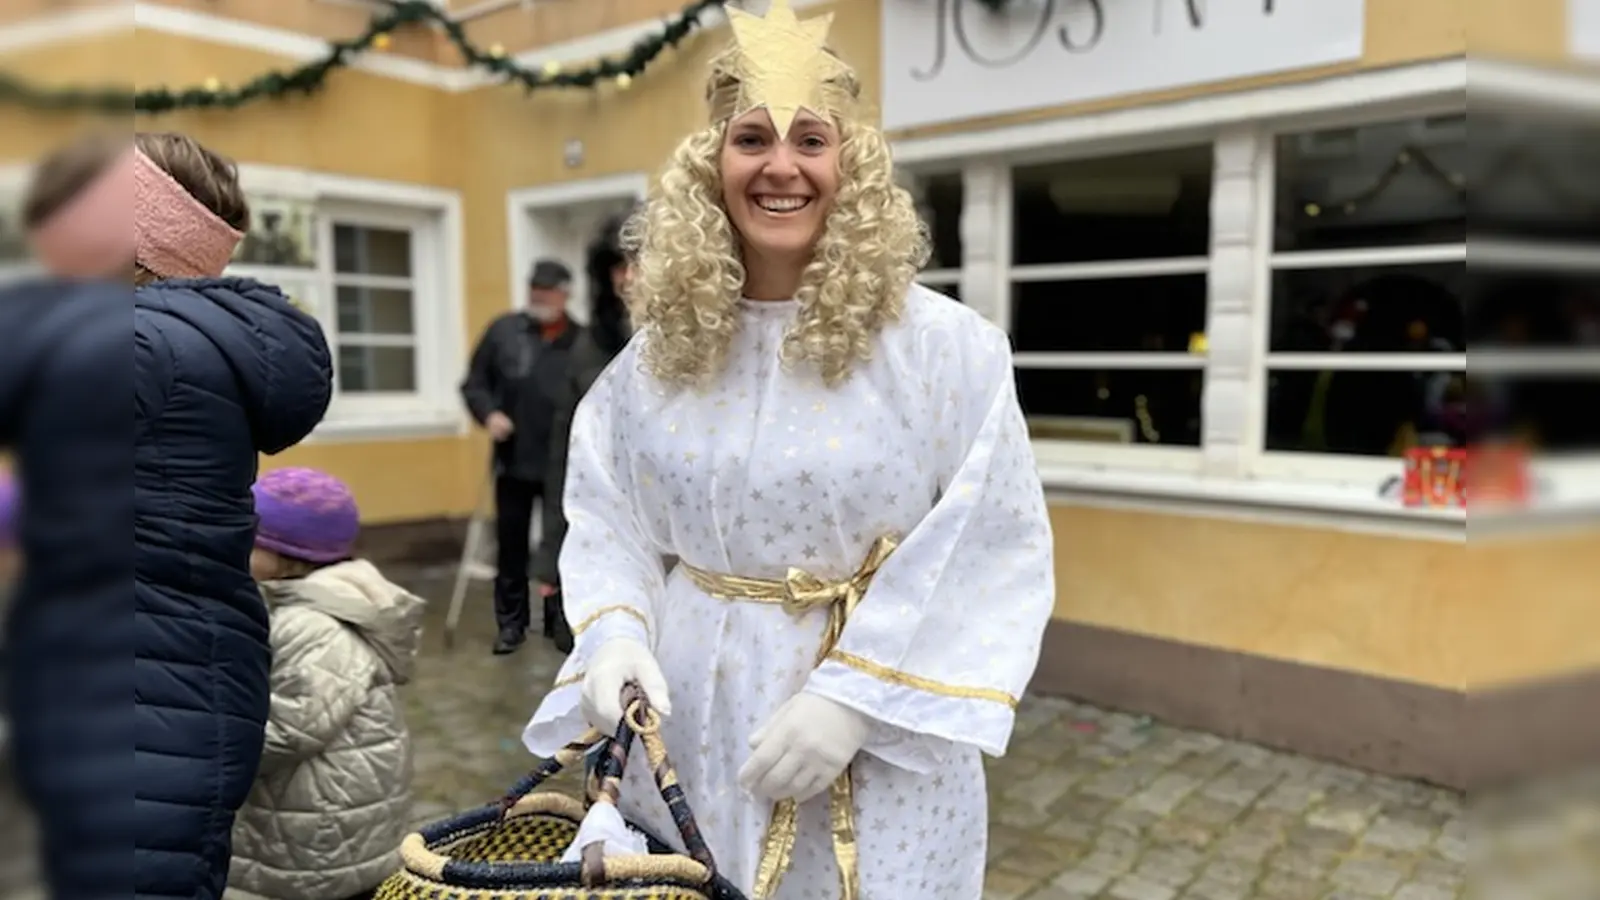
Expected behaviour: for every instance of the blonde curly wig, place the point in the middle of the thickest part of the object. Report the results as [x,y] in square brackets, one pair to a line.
[688,272]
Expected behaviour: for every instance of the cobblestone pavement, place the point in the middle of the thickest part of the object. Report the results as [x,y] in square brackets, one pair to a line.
[1088,803]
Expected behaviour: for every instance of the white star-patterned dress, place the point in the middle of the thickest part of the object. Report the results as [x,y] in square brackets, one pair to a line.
[770,469]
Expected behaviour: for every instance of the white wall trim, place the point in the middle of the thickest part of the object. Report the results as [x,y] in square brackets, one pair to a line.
[302,47]
[436,412]
[311,185]
[73,25]
[1306,504]
[1520,85]
[290,44]
[586,190]
[1442,82]
[522,203]
[611,42]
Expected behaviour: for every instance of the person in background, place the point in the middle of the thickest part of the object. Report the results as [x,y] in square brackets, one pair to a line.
[65,395]
[222,370]
[333,799]
[608,332]
[511,388]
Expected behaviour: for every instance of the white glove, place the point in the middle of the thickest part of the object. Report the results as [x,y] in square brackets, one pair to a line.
[614,664]
[803,748]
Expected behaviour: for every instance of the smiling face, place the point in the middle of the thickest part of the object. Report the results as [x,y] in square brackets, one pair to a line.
[778,192]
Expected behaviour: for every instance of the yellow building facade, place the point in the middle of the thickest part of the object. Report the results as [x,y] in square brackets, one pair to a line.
[1208,576]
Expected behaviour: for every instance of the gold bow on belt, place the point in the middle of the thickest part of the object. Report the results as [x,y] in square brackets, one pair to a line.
[800,593]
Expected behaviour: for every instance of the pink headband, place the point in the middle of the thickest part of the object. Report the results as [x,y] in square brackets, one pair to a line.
[135,211]
[177,237]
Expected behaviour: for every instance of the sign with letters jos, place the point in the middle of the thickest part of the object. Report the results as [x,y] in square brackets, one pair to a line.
[948,60]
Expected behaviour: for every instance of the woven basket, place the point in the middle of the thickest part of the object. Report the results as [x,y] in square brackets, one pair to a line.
[510,850]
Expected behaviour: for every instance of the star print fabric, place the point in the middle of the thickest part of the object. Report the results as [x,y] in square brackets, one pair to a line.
[769,469]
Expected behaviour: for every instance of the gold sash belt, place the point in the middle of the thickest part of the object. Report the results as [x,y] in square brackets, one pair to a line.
[800,593]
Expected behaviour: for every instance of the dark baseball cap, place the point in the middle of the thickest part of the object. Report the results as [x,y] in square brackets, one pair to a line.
[547,273]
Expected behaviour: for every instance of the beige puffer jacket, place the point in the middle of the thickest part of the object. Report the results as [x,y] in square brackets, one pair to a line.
[332,802]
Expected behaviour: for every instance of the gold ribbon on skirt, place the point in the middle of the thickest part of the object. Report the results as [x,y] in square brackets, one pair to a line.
[800,593]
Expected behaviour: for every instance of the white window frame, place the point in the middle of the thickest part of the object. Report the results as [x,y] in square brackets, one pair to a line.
[1230,473]
[1170,458]
[433,216]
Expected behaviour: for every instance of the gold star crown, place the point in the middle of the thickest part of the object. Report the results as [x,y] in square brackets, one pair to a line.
[783,65]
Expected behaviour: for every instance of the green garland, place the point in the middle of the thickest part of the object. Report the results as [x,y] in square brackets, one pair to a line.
[310,77]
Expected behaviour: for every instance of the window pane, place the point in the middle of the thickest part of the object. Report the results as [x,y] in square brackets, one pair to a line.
[1112,315]
[939,203]
[1372,309]
[1511,310]
[377,369]
[1554,414]
[938,198]
[1114,406]
[280,234]
[375,311]
[1395,183]
[371,251]
[1536,178]
[1367,413]
[1141,206]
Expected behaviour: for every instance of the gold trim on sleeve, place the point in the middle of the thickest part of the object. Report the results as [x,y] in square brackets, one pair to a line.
[604,611]
[916,682]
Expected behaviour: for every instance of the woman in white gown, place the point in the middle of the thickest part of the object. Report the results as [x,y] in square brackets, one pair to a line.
[797,421]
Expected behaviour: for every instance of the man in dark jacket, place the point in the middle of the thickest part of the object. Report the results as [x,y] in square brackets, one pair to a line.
[511,389]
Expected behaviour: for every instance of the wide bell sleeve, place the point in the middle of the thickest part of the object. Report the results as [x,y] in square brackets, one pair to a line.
[611,571]
[948,634]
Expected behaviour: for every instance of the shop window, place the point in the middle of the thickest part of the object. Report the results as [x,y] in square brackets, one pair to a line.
[1107,307]
[375,275]
[1366,353]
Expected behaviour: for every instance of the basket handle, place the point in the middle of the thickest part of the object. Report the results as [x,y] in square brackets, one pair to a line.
[564,759]
[640,720]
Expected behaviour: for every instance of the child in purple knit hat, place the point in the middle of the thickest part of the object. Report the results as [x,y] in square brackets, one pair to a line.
[337,759]
[305,520]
